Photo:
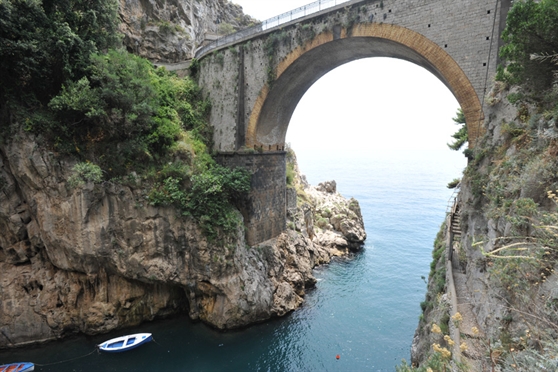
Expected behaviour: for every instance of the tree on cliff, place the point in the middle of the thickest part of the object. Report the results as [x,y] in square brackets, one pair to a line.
[530,30]
[461,136]
[45,43]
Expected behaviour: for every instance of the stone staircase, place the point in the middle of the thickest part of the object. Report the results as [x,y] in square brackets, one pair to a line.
[455,235]
[473,353]
[455,227]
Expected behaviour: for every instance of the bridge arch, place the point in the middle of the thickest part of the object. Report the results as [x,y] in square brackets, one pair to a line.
[275,104]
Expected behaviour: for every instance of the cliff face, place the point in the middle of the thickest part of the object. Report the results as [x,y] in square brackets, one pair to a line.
[171,30]
[99,257]
[504,263]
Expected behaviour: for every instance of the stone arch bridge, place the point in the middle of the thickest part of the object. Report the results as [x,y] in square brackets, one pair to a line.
[256,78]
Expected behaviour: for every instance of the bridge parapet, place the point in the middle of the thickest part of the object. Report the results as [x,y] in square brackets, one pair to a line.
[271,24]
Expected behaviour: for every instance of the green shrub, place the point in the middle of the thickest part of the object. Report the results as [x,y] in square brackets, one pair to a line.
[453,184]
[513,129]
[125,113]
[522,212]
[444,323]
[426,305]
[514,98]
[305,33]
[83,173]
[270,46]
[212,194]
[194,67]
[176,169]
[440,280]
[220,58]
[462,135]
[290,174]
[169,192]
[209,198]
[167,28]
[321,222]
[60,79]
[225,28]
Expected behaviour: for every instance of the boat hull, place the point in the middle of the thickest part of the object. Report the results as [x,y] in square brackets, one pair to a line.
[17,367]
[125,343]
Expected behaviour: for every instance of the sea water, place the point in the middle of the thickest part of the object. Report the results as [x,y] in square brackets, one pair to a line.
[360,317]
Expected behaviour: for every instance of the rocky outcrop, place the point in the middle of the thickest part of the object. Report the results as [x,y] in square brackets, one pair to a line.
[99,257]
[323,215]
[336,222]
[171,30]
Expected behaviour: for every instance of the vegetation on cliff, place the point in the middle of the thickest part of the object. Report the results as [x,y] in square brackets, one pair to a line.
[461,136]
[509,249]
[65,79]
[530,30]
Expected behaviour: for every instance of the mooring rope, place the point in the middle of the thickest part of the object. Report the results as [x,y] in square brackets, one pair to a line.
[66,361]
[153,339]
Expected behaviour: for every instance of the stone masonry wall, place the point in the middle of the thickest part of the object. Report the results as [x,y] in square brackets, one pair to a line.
[467,30]
[264,210]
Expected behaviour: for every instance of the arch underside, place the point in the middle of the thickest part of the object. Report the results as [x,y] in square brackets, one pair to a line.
[271,115]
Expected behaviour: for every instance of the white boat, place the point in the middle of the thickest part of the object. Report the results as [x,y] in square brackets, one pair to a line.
[119,344]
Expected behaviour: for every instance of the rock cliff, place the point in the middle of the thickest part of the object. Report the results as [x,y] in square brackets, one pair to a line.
[171,30]
[504,263]
[99,257]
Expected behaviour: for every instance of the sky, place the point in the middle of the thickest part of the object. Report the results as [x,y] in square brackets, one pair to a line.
[369,104]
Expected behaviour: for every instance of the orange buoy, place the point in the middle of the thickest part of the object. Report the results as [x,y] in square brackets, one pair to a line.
[337,356]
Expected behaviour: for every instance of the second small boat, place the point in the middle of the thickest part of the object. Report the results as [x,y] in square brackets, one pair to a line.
[17,367]
[124,343]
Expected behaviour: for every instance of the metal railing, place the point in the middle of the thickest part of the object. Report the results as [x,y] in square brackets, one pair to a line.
[453,197]
[303,11]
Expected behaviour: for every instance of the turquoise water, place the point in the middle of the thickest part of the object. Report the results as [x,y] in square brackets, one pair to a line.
[365,308]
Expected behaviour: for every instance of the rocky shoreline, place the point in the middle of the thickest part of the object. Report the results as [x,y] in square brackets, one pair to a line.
[99,257]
